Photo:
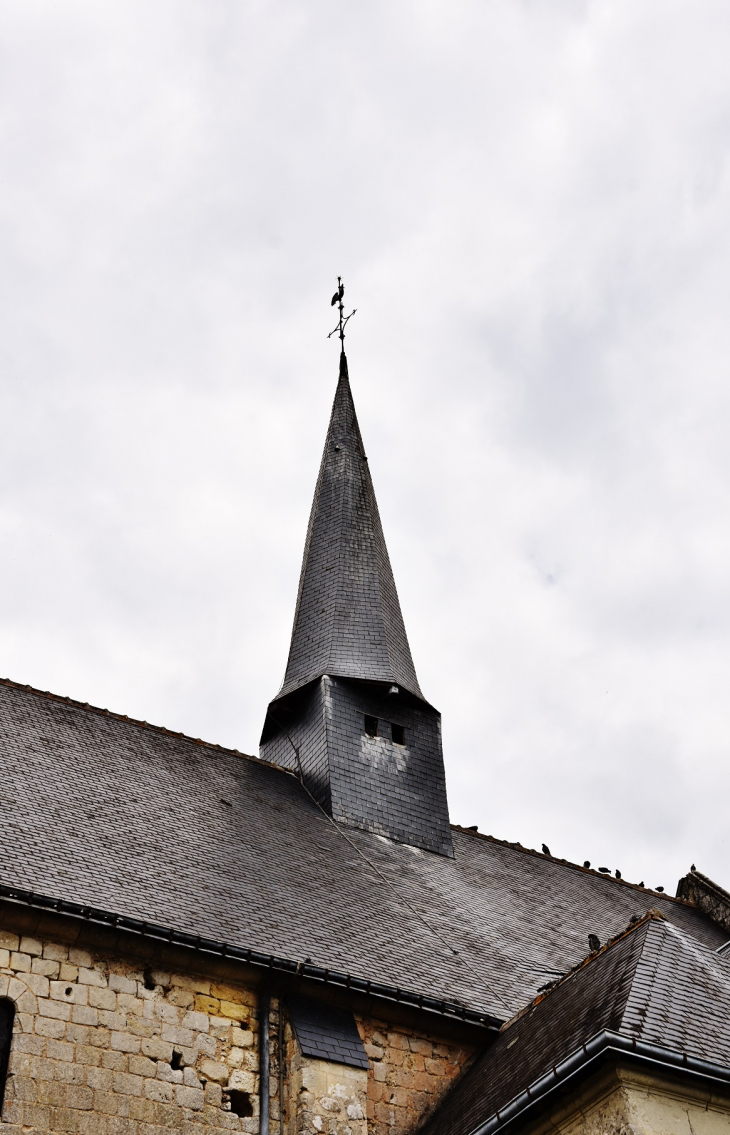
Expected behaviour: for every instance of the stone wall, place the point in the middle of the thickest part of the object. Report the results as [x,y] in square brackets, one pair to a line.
[408,1074]
[102,1048]
[320,1097]
[626,1101]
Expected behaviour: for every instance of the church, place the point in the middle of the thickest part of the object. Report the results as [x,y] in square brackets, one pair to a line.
[301,943]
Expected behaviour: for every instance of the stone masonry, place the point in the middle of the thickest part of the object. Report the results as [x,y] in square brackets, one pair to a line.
[103,1046]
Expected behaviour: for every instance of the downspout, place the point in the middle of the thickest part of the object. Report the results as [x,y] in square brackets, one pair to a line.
[264,1061]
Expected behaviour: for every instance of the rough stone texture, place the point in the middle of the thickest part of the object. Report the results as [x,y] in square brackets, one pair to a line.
[94,1049]
[94,1053]
[323,1097]
[408,1076]
[623,1102]
[366,782]
[709,897]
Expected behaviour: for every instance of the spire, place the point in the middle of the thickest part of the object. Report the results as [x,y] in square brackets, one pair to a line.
[348,621]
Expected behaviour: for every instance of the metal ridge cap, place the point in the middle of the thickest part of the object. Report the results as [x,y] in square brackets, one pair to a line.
[450,1010]
[579,1060]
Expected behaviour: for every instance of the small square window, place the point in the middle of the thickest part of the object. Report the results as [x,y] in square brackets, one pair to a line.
[398,733]
[371,725]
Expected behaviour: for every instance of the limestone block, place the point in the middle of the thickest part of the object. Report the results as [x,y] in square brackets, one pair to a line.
[197,1021]
[190,1097]
[83,1015]
[59,1050]
[80,958]
[53,951]
[31,946]
[58,1009]
[127,1085]
[45,966]
[101,1079]
[123,1042]
[212,1070]
[102,998]
[157,1049]
[159,1091]
[242,1081]
[50,1027]
[121,984]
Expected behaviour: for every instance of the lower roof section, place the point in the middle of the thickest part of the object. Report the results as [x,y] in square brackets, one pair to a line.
[101,811]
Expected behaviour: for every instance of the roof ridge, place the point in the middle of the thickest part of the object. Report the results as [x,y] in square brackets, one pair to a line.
[633,926]
[65,700]
[574,866]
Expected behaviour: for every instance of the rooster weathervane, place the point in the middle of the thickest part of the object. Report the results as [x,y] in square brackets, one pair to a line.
[343,320]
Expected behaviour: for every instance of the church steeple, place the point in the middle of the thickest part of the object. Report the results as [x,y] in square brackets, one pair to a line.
[348,620]
[350,716]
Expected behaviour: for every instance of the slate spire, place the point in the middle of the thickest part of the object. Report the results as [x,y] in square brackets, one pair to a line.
[348,621]
[350,719]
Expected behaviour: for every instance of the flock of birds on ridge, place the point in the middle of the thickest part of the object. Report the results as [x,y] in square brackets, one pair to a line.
[607,870]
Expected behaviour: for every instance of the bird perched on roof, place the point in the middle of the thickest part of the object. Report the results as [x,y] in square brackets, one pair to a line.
[641,884]
[338,295]
[693,868]
[545,849]
[594,942]
[660,889]
[605,870]
[618,873]
[586,862]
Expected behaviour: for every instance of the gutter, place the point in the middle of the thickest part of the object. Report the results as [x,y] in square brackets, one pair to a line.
[208,947]
[600,1046]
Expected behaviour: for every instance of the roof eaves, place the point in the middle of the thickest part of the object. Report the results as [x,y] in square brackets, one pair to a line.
[246,956]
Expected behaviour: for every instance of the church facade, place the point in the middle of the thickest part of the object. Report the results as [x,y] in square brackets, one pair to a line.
[197,940]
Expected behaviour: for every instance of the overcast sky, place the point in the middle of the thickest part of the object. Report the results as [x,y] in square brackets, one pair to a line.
[529,203]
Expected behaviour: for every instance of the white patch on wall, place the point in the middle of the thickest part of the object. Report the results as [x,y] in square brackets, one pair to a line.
[380,753]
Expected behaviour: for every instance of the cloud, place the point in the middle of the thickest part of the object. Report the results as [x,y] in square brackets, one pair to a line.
[528,204]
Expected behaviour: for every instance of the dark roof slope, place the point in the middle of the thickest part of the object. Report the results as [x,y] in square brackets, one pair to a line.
[348,621]
[656,984]
[95,809]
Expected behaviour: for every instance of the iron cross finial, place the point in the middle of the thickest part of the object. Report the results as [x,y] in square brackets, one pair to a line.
[343,320]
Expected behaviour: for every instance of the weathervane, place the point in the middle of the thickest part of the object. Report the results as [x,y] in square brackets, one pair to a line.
[342,324]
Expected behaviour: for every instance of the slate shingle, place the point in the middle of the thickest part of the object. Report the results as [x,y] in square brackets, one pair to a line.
[326,1032]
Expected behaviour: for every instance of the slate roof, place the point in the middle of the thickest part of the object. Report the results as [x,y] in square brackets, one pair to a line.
[348,621]
[656,985]
[326,1032]
[141,822]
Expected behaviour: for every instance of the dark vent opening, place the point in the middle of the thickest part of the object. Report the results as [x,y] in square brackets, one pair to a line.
[371,725]
[241,1104]
[177,1061]
[149,981]
[398,734]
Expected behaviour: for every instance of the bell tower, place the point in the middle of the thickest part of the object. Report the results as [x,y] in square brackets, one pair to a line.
[350,715]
